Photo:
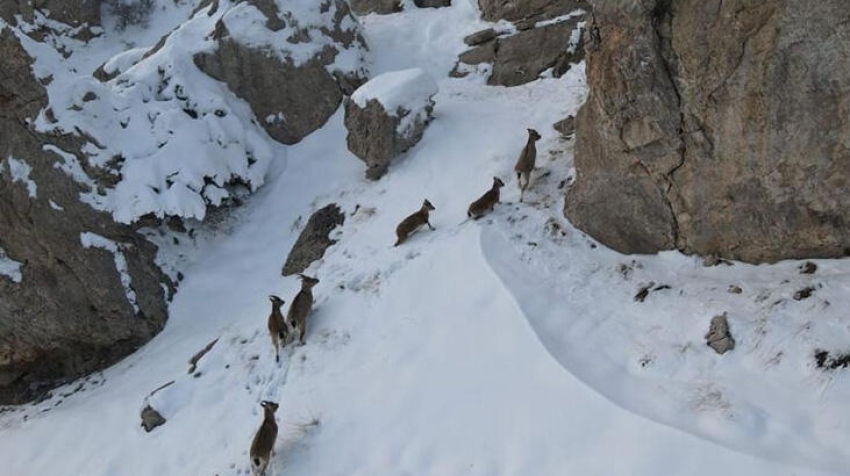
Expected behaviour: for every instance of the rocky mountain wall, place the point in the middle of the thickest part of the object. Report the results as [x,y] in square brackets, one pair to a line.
[87,291]
[716,127]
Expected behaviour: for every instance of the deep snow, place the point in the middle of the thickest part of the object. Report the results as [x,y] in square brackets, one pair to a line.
[508,345]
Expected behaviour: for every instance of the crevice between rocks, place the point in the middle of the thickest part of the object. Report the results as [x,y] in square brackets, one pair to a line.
[662,21]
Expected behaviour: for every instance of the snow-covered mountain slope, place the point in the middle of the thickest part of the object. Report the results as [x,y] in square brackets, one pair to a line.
[498,346]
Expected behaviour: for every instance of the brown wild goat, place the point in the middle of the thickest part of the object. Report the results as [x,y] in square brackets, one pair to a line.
[278,330]
[301,306]
[262,448]
[487,201]
[525,164]
[413,222]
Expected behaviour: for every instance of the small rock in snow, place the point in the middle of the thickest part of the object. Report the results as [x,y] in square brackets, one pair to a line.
[718,337]
[808,268]
[151,419]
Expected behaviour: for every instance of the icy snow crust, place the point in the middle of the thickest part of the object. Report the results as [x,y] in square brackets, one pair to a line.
[504,346]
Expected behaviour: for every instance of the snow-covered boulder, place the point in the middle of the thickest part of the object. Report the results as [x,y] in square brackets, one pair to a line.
[292,61]
[388,115]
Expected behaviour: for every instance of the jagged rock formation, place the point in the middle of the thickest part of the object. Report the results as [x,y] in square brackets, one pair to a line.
[314,239]
[547,38]
[290,94]
[88,292]
[387,116]
[716,127]
[71,12]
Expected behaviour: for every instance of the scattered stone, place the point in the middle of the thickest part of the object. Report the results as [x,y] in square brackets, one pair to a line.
[566,127]
[193,362]
[151,418]
[825,360]
[718,337]
[714,260]
[808,268]
[314,240]
[387,116]
[479,37]
[735,289]
[643,292]
[804,293]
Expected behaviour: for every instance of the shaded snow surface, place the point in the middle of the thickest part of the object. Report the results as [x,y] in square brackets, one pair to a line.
[506,346]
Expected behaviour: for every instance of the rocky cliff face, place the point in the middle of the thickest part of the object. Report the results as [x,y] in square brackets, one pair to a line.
[86,291]
[716,127]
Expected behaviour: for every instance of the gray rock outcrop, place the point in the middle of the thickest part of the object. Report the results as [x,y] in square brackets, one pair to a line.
[69,312]
[381,7]
[513,10]
[290,98]
[523,56]
[314,240]
[716,127]
[718,337]
[387,116]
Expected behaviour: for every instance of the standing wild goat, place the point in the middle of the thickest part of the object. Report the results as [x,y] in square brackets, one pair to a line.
[412,223]
[277,327]
[487,201]
[525,163]
[301,306]
[262,447]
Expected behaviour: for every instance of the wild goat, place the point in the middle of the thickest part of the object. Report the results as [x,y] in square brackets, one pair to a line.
[301,306]
[525,164]
[278,329]
[487,201]
[262,448]
[412,223]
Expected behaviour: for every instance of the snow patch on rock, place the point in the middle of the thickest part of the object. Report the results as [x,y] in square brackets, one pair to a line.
[93,240]
[9,267]
[20,172]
